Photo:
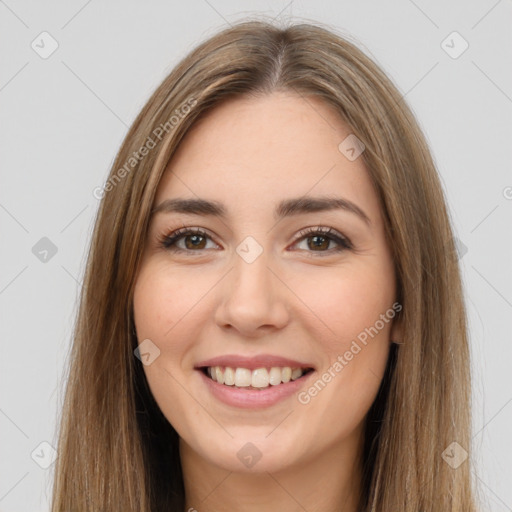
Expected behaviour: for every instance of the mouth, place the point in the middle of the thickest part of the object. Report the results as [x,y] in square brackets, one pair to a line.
[254,379]
[253,382]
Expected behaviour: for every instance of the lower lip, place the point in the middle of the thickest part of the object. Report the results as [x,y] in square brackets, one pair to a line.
[252,398]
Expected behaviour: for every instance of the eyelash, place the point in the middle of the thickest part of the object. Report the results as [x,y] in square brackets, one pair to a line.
[169,241]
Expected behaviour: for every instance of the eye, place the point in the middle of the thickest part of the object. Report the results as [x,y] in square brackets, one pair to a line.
[194,239]
[319,239]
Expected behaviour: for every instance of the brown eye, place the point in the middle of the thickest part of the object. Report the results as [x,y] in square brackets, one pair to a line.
[319,240]
[194,240]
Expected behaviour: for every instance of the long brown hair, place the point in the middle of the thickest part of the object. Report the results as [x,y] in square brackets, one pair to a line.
[116,450]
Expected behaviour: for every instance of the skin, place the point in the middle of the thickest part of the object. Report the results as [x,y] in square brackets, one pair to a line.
[294,300]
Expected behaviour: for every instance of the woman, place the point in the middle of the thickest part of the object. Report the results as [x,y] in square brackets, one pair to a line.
[272,315]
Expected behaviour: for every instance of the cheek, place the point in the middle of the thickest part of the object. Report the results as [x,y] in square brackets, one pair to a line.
[165,303]
[163,306]
[346,302]
[353,319]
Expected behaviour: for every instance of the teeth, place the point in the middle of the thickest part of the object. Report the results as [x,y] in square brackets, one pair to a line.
[286,374]
[242,377]
[220,375]
[275,376]
[259,378]
[296,373]
[229,376]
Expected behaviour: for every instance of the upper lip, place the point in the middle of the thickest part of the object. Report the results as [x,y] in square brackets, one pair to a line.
[253,362]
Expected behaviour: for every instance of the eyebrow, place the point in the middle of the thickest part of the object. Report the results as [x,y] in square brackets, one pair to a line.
[286,208]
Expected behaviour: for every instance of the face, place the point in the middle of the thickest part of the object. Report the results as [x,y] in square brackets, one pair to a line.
[286,300]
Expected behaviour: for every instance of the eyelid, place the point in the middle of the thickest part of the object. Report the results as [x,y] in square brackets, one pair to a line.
[330,233]
[168,240]
[324,230]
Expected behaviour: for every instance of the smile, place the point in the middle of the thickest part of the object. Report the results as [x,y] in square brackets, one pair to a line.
[259,378]
[253,382]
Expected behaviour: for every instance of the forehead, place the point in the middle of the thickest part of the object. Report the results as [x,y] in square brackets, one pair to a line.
[258,150]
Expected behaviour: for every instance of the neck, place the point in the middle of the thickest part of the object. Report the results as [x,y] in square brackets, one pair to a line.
[330,481]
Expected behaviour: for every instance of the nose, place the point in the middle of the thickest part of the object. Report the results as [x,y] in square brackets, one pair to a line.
[253,299]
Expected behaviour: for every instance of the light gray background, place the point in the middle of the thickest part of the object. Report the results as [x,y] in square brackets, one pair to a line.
[64,117]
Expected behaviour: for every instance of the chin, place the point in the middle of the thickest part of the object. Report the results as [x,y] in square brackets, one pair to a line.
[250,452]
